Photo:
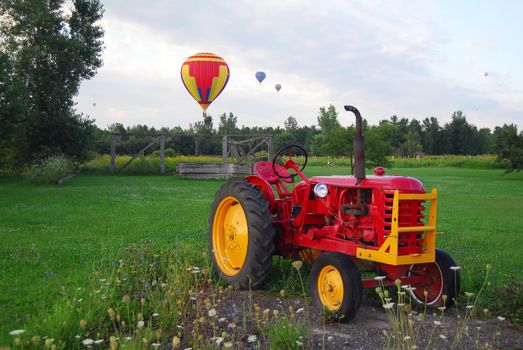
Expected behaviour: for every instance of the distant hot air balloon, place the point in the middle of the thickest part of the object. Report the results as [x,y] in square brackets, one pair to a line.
[260,76]
[205,75]
[485,74]
[277,87]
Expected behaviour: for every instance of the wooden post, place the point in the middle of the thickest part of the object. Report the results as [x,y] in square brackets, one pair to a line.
[269,148]
[162,154]
[224,148]
[113,152]
[196,146]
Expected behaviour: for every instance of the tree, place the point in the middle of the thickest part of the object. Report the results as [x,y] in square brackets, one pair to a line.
[328,120]
[228,124]
[291,124]
[461,135]
[434,140]
[49,53]
[509,147]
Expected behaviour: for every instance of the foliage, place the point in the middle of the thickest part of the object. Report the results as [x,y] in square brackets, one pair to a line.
[54,169]
[286,334]
[44,55]
[509,147]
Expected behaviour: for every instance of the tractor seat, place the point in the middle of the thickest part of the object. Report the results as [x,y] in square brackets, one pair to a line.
[265,171]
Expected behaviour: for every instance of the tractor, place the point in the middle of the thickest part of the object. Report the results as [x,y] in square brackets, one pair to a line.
[343,226]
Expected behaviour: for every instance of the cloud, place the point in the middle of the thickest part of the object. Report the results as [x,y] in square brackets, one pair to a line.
[384,57]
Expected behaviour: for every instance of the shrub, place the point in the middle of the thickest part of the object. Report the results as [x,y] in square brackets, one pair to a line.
[55,169]
[169,152]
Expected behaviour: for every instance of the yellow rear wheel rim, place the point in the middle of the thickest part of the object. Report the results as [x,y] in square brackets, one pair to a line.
[230,236]
[330,287]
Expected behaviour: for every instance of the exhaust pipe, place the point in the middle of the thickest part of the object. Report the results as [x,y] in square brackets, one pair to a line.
[358,147]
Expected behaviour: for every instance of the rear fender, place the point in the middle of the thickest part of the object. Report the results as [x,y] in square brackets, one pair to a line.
[265,187]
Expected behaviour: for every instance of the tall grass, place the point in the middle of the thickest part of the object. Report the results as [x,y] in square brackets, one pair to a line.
[101,164]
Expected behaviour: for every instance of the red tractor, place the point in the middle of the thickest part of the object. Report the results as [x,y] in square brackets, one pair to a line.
[342,225]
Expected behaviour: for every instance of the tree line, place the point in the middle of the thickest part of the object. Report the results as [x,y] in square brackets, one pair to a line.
[399,137]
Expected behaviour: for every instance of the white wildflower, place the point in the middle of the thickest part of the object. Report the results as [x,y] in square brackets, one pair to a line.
[299,343]
[442,308]
[442,336]
[437,323]
[501,318]
[407,337]
[252,338]
[99,341]
[330,338]
[222,319]
[140,324]
[227,345]
[380,278]
[88,341]
[212,313]
[469,306]
[300,310]
[156,345]
[156,314]
[17,332]
[217,340]
[388,305]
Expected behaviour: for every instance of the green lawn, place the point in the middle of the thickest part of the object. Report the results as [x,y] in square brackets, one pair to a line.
[53,236]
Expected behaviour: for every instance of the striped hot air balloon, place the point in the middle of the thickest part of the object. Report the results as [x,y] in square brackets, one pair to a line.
[205,75]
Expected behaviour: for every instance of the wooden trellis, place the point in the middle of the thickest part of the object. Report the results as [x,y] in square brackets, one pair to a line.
[243,148]
[155,139]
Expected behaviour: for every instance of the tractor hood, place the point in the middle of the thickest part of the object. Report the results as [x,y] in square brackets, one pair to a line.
[401,183]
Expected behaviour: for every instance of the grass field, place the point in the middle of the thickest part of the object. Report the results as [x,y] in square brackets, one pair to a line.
[54,236]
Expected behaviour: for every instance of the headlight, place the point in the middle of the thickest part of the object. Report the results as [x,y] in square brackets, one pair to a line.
[321,190]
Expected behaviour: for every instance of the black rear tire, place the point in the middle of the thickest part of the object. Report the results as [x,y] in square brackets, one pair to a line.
[260,243]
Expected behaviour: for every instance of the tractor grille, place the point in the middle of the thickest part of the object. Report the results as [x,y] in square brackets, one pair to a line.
[410,213]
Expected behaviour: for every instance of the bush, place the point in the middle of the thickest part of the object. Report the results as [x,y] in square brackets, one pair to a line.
[55,169]
[169,152]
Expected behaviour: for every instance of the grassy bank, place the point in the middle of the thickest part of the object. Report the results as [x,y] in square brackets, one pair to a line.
[59,242]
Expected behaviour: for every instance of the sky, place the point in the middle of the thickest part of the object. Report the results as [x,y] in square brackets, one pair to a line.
[413,59]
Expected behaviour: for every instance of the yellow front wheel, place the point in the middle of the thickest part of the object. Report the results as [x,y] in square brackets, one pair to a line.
[335,285]
[241,236]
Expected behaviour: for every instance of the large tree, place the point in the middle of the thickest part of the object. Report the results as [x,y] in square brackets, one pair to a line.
[45,53]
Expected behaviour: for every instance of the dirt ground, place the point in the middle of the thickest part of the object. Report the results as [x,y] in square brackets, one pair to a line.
[366,329]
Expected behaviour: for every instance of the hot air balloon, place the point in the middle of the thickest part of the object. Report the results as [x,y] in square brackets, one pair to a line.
[277,87]
[205,75]
[485,74]
[260,76]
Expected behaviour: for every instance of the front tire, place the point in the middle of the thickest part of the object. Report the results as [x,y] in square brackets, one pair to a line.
[335,285]
[241,235]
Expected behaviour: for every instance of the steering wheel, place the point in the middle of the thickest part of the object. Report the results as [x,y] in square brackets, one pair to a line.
[284,155]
